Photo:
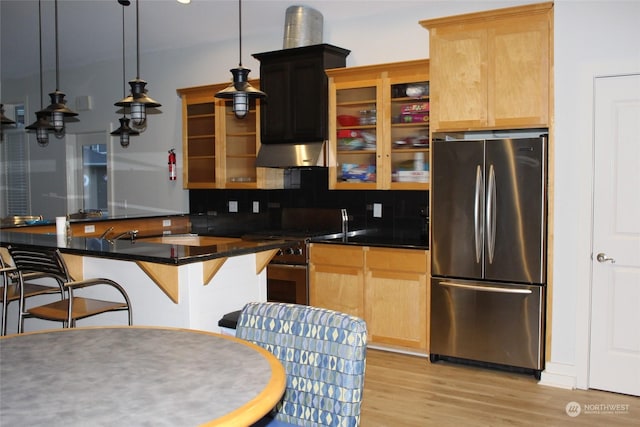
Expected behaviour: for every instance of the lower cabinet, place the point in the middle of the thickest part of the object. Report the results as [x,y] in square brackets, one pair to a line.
[388,287]
[336,278]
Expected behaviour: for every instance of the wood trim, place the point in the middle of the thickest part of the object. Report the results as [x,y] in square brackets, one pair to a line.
[263,258]
[210,268]
[260,405]
[165,276]
[489,15]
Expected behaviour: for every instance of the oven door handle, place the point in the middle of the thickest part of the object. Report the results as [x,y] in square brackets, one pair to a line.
[284,265]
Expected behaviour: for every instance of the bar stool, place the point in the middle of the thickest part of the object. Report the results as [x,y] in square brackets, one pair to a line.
[49,262]
[10,290]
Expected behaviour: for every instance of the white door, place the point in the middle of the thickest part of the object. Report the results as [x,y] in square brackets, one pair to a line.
[615,305]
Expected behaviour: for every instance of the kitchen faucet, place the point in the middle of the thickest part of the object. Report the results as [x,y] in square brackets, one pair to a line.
[106,232]
[131,233]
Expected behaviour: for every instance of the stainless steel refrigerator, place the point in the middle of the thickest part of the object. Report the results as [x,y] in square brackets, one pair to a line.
[488,250]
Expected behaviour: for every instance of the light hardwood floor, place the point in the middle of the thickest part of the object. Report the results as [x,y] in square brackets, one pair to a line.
[407,391]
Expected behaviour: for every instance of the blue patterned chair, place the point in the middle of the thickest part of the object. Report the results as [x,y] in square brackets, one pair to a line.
[324,356]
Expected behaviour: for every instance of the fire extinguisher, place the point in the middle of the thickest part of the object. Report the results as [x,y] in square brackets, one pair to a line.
[172,165]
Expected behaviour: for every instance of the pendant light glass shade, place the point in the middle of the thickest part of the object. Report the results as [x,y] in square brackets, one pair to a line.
[240,90]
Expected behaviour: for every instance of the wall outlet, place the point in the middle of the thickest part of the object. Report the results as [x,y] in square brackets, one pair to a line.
[233,206]
[377,210]
[256,206]
[166,223]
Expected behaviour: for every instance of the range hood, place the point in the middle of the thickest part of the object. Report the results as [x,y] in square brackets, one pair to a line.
[291,155]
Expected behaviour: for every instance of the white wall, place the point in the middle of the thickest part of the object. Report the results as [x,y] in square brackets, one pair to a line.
[591,38]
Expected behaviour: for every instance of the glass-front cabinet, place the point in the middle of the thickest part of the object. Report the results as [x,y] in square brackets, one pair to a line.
[379,126]
[219,150]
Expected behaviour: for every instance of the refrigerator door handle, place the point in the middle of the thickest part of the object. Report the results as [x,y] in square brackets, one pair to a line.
[491,214]
[477,208]
[487,288]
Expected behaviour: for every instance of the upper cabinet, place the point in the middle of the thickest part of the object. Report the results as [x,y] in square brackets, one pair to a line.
[492,70]
[294,80]
[219,150]
[379,126]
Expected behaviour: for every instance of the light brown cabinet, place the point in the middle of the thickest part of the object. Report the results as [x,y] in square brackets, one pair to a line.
[492,70]
[396,297]
[219,150]
[387,287]
[379,126]
[336,278]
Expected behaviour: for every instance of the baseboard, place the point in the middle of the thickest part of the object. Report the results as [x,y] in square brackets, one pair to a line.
[558,375]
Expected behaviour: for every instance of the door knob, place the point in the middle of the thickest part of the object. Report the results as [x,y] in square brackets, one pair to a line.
[602,257]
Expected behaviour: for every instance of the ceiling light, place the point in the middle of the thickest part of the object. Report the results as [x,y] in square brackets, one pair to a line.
[124,131]
[138,101]
[4,120]
[57,110]
[240,90]
[41,125]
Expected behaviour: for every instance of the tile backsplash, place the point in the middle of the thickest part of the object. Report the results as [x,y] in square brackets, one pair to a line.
[401,212]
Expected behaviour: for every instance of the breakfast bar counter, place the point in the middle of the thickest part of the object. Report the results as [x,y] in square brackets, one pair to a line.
[185,281]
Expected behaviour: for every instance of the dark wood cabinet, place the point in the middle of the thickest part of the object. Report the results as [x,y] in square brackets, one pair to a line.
[296,108]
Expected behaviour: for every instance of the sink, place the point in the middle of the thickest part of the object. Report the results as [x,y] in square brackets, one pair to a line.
[188,240]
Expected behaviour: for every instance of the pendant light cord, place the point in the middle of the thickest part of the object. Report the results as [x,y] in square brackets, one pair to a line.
[40,46]
[57,55]
[137,41]
[240,32]
[124,85]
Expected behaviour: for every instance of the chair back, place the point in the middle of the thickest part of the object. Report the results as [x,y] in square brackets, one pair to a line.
[40,260]
[324,356]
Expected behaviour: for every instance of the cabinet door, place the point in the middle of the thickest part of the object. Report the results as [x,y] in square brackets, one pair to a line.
[409,134]
[459,77]
[396,297]
[275,115]
[518,86]
[356,134]
[199,142]
[308,100]
[240,147]
[297,109]
[336,278]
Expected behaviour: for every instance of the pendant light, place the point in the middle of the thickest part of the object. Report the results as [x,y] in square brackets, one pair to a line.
[138,101]
[124,131]
[57,110]
[240,90]
[41,125]
[4,120]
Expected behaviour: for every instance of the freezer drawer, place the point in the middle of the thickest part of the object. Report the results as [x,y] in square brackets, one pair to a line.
[488,322]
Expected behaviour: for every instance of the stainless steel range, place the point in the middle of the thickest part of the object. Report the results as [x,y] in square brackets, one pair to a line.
[288,271]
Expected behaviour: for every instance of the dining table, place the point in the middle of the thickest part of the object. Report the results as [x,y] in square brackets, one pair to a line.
[135,376]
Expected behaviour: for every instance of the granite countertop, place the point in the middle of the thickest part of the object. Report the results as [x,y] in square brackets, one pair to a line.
[141,249]
[381,238]
[46,221]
